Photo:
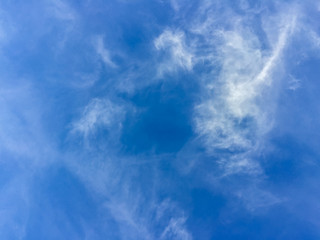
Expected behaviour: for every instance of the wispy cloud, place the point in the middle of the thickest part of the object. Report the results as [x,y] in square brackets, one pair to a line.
[236,111]
[99,113]
[255,199]
[103,52]
[174,221]
[294,83]
[21,127]
[173,42]
[176,230]
[314,37]
[61,10]
[234,61]
[133,206]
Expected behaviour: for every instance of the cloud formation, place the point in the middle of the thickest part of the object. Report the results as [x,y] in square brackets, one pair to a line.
[103,52]
[173,42]
[238,112]
[99,113]
[209,78]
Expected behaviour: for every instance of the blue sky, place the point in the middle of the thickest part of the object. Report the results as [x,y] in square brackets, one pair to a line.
[159,119]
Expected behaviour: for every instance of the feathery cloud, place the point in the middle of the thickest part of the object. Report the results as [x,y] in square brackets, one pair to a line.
[173,42]
[103,52]
[99,112]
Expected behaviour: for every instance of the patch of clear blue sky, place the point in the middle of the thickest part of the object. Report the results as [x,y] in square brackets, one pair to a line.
[106,142]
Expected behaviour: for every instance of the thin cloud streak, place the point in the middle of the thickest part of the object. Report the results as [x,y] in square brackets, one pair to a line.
[103,52]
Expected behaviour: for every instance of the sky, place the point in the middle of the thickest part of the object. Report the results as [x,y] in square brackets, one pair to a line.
[159,119]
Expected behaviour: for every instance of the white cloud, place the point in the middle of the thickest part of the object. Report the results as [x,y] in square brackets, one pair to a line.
[131,225]
[294,83]
[176,230]
[314,37]
[175,222]
[103,52]
[131,204]
[236,112]
[173,42]
[237,109]
[99,112]
[126,206]
[255,199]
[239,94]
[240,164]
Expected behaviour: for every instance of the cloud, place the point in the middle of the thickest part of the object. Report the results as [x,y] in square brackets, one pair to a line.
[98,113]
[25,149]
[173,42]
[255,199]
[22,131]
[173,219]
[176,230]
[236,109]
[108,179]
[175,5]
[103,52]
[61,10]
[240,165]
[131,225]
[232,116]
[133,204]
[314,37]
[294,83]
[236,112]
[241,64]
